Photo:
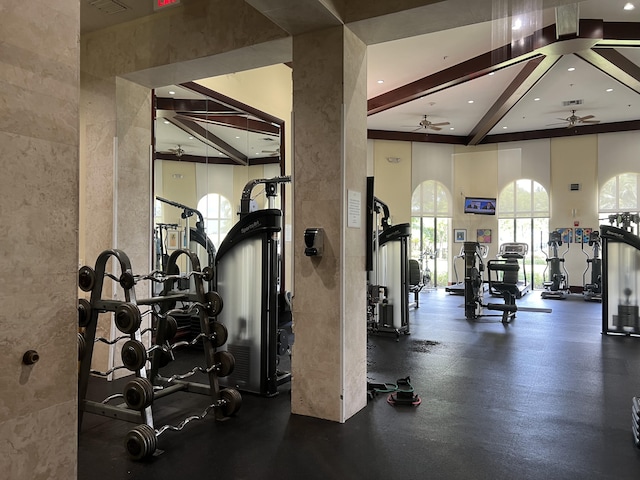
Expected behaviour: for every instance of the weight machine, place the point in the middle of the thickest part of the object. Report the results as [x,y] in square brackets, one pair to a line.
[247,277]
[557,286]
[592,290]
[458,288]
[620,277]
[388,281]
[502,274]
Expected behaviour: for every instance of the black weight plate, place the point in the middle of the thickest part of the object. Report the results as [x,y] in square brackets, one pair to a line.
[214,303]
[84,313]
[134,355]
[225,363]
[127,280]
[138,394]
[207,273]
[128,317]
[86,278]
[231,401]
[171,329]
[141,442]
[219,334]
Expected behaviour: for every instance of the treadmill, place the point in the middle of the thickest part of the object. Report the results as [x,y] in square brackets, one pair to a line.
[514,252]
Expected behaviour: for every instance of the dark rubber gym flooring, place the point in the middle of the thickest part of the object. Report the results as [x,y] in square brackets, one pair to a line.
[545,397]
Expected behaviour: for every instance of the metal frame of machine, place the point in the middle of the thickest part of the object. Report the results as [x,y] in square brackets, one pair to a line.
[247,274]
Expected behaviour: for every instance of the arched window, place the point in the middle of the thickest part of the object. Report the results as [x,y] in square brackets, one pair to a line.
[218,214]
[523,216]
[430,226]
[620,194]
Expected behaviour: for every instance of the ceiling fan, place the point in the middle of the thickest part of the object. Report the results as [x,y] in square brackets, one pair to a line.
[272,153]
[573,120]
[178,152]
[428,125]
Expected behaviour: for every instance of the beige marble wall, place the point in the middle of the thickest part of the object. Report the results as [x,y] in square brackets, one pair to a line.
[329,355]
[39,65]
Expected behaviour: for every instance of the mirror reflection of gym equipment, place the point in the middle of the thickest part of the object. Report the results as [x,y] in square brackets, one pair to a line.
[592,289]
[388,270]
[247,273]
[556,284]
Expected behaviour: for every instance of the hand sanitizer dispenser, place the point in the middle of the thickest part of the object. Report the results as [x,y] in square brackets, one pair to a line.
[313,241]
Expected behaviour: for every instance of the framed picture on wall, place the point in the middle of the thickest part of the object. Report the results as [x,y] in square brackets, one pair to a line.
[459,235]
[484,235]
[173,239]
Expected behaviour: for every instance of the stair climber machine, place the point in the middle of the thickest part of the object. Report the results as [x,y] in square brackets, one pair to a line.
[592,290]
[513,253]
[458,287]
[557,285]
[620,279]
[247,275]
[388,281]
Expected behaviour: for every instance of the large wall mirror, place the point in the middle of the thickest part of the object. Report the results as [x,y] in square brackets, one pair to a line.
[207,148]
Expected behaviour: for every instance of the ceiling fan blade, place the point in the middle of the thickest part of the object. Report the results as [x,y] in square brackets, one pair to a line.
[552,124]
[439,124]
[419,128]
[433,127]
[587,117]
[563,119]
[590,121]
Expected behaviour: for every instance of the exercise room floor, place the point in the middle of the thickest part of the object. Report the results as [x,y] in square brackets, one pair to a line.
[545,397]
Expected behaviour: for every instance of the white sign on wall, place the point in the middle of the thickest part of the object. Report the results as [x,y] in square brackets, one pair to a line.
[354,209]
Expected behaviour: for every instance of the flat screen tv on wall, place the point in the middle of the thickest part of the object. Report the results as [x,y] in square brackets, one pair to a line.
[480,205]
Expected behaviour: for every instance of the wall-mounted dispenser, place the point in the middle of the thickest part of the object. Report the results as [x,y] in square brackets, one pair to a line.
[313,241]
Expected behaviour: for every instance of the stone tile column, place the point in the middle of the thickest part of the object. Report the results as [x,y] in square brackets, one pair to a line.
[329,166]
[39,79]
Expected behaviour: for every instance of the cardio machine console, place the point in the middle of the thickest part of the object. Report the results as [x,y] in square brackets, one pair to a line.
[513,250]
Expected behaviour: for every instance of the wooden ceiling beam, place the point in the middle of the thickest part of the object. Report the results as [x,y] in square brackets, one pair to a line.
[614,64]
[235,121]
[204,135]
[530,74]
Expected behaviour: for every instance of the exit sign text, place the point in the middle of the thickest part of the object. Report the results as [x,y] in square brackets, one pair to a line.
[158,4]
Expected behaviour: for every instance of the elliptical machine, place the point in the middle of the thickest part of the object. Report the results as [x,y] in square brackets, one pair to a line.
[558,284]
[592,291]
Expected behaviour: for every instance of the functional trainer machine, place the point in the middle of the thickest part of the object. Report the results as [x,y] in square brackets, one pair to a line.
[557,285]
[620,280]
[592,290]
[388,285]
[247,277]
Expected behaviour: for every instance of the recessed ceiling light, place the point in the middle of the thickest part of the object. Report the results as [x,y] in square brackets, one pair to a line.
[609,89]
[380,81]
[629,6]
[470,101]
[171,92]
[505,127]
[237,137]
[537,99]
[492,73]
[571,69]
[451,128]
[190,138]
[167,122]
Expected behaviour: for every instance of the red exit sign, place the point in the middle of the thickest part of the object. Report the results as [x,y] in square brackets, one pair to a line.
[159,4]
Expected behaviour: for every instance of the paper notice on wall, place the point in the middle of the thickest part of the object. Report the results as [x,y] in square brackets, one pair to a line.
[354,209]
